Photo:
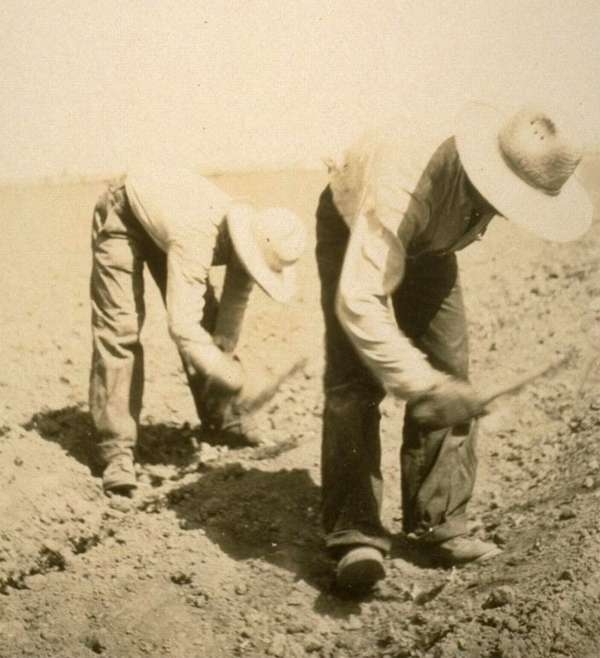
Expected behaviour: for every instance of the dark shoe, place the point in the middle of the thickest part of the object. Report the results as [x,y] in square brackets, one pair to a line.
[360,568]
[461,550]
[119,475]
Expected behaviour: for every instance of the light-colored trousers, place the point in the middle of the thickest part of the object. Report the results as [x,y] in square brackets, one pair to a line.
[120,250]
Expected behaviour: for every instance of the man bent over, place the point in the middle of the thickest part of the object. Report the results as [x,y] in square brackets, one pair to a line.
[398,207]
[178,224]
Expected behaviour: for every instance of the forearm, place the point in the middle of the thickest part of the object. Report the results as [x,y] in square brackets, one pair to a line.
[186,285]
[212,362]
[232,307]
[373,268]
[370,325]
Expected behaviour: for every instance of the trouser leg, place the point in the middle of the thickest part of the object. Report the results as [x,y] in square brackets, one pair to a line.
[156,260]
[117,298]
[350,466]
[438,467]
[352,483]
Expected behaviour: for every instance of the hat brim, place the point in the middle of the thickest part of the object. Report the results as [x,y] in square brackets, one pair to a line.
[281,286]
[561,218]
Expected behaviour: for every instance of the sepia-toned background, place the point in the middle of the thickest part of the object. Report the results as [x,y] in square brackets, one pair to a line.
[220,554]
[254,82]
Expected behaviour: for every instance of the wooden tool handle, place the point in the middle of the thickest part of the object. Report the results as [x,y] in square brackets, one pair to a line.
[521,382]
[268,392]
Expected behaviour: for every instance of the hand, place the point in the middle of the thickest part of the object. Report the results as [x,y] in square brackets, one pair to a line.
[241,427]
[225,414]
[229,378]
[447,404]
[230,416]
[221,389]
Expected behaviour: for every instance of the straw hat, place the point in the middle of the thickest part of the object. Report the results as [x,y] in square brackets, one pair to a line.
[269,243]
[523,165]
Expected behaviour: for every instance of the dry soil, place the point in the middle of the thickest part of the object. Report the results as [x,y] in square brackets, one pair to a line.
[220,553]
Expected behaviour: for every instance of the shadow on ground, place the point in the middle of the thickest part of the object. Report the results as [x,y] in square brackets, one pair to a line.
[256,514]
[248,512]
[69,427]
[158,443]
[267,516]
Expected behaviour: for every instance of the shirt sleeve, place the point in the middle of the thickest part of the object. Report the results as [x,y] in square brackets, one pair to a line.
[188,263]
[373,269]
[232,307]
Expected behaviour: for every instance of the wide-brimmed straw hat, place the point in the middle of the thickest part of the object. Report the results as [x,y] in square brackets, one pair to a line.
[523,164]
[269,243]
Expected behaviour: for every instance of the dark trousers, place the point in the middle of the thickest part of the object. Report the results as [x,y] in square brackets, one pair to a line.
[438,467]
[120,250]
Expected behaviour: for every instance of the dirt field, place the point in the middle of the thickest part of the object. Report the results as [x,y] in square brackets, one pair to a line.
[220,552]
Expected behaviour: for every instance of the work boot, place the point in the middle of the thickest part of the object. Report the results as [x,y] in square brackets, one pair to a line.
[119,475]
[360,568]
[461,550]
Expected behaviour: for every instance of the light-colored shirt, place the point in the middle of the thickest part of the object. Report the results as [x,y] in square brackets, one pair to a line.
[185,215]
[392,188]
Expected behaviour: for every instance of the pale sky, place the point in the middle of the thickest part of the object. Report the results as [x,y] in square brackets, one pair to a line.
[90,85]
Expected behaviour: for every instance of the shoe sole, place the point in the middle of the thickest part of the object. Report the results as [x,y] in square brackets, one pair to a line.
[360,575]
[120,489]
[119,480]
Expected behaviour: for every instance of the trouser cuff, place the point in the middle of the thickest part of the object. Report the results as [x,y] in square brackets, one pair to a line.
[108,450]
[341,539]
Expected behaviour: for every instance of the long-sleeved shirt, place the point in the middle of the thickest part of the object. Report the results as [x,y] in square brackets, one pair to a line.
[402,195]
[185,215]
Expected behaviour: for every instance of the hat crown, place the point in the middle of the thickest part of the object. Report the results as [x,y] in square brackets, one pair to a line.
[280,236]
[537,151]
